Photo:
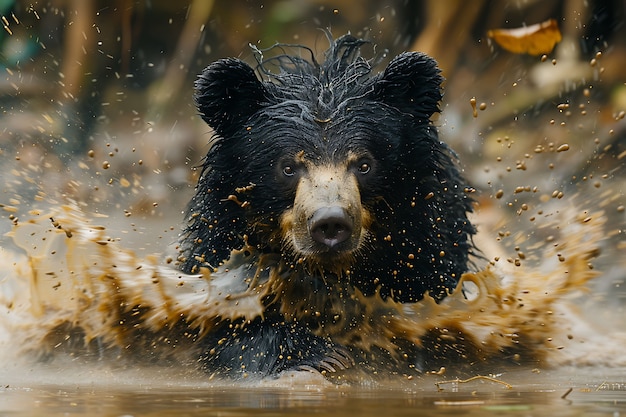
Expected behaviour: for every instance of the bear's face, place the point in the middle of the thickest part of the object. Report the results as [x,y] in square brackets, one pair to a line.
[334,168]
[327,220]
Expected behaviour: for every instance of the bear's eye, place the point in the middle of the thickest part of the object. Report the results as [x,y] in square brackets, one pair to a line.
[364,168]
[289,171]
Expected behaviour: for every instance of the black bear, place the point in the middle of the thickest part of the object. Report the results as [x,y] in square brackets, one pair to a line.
[334,177]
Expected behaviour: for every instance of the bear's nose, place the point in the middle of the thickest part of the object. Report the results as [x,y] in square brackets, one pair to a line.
[330,226]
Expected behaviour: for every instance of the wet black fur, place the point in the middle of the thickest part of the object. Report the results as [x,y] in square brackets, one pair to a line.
[415,190]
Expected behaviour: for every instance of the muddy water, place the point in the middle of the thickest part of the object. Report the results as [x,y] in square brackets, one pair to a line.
[563,392]
[73,385]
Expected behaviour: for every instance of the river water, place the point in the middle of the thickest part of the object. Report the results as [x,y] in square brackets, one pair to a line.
[98,392]
[77,386]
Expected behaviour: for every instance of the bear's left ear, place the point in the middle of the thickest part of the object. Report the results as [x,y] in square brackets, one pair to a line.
[411,83]
[227,93]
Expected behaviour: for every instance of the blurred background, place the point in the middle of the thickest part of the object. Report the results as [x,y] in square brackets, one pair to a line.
[95,100]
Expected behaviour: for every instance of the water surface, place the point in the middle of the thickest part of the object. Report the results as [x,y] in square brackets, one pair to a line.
[563,392]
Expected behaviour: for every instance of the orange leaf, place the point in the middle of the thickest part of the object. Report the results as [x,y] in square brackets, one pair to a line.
[536,39]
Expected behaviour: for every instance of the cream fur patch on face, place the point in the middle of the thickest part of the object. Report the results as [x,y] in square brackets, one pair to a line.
[327,211]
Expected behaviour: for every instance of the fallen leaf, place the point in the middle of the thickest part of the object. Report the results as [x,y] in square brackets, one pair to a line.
[536,39]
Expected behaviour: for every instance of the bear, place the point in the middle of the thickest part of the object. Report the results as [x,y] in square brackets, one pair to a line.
[333,177]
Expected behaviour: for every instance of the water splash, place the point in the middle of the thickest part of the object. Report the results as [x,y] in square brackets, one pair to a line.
[78,292]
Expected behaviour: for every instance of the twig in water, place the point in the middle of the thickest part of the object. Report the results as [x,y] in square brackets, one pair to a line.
[567,393]
[463,381]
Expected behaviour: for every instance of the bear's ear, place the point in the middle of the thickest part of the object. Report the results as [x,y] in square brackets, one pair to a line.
[411,83]
[227,93]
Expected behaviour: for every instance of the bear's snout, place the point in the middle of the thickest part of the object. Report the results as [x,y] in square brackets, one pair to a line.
[330,226]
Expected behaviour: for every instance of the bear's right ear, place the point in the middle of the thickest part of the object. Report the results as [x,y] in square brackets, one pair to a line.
[227,93]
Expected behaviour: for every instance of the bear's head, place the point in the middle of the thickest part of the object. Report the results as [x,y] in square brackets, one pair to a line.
[337,169]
